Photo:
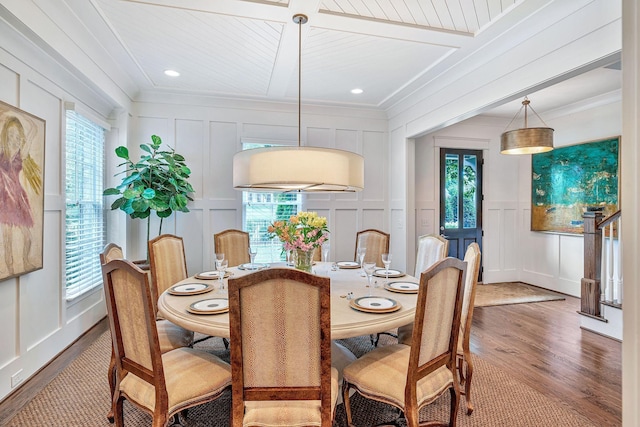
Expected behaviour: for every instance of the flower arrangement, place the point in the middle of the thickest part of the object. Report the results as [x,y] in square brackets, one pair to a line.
[304,231]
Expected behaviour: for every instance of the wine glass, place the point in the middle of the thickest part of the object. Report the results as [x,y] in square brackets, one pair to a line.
[325,252]
[252,254]
[361,253]
[386,260]
[219,257]
[369,268]
[221,266]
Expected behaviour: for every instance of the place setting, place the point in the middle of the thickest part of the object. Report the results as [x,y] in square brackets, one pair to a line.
[212,275]
[375,304]
[347,264]
[209,306]
[386,272]
[402,287]
[190,288]
[253,265]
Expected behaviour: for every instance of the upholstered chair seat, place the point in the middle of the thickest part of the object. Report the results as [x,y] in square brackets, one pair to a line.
[190,376]
[381,375]
[289,413]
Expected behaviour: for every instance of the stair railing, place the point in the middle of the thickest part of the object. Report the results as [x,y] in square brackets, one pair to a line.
[599,258]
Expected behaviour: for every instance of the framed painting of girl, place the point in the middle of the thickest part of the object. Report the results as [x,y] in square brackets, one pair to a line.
[22,137]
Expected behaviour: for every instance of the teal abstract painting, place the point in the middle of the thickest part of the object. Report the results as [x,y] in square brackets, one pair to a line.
[569,179]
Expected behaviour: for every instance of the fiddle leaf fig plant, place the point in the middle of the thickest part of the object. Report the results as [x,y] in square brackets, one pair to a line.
[158,182]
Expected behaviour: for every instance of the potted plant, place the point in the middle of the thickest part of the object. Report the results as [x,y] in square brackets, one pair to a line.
[158,182]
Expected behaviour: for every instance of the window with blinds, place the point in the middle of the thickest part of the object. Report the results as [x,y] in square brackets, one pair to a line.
[84,182]
[260,210]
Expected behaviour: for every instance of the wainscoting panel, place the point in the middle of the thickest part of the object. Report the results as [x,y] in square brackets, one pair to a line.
[218,175]
[8,316]
[344,233]
[375,166]
[189,142]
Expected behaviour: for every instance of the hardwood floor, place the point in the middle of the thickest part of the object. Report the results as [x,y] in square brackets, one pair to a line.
[540,344]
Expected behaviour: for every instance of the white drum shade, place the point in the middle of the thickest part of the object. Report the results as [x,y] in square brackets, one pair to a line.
[307,169]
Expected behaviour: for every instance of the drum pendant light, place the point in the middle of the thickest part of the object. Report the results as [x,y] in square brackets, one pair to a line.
[526,140]
[297,168]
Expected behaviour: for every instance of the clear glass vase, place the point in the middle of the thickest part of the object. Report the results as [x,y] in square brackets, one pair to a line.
[303,260]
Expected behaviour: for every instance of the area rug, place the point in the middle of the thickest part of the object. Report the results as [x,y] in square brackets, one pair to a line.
[512,293]
[79,397]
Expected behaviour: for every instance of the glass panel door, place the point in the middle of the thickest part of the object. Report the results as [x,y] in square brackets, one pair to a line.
[460,199]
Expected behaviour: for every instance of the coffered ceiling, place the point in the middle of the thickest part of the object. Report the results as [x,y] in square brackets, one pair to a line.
[242,48]
[248,49]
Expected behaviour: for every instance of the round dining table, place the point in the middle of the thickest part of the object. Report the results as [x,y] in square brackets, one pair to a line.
[347,285]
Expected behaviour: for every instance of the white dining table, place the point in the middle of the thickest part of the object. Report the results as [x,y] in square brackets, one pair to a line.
[346,321]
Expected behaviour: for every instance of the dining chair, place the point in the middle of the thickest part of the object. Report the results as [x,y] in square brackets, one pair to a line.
[465,365]
[280,327]
[376,242]
[170,335]
[161,384]
[410,377]
[167,263]
[234,244]
[431,249]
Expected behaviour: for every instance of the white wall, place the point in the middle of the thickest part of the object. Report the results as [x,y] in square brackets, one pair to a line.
[37,323]
[209,132]
[510,250]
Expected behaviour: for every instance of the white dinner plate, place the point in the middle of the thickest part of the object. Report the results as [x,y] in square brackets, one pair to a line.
[214,274]
[190,288]
[347,264]
[403,287]
[209,306]
[254,266]
[380,272]
[374,304]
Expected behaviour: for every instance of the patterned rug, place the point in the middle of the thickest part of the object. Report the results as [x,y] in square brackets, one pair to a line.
[512,293]
[79,397]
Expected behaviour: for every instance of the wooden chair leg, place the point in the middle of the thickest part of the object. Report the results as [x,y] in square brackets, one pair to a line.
[455,402]
[112,383]
[345,401]
[467,384]
[118,410]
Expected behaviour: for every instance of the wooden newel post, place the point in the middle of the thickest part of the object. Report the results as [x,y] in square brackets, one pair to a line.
[590,283]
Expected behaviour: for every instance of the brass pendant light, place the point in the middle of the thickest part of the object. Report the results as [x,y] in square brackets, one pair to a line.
[301,169]
[526,140]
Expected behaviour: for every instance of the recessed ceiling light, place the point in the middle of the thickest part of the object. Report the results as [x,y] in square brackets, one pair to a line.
[356,91]
[171,73]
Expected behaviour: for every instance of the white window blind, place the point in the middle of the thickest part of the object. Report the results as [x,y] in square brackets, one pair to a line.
[84,182]
[260,210]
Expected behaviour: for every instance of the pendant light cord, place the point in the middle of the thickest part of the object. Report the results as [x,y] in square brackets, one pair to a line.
[299,79]
[300,19]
